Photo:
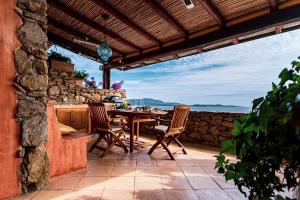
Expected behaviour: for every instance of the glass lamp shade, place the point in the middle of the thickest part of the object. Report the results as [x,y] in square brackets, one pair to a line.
[104,51]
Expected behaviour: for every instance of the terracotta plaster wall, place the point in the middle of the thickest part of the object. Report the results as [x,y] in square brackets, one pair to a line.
[9,129]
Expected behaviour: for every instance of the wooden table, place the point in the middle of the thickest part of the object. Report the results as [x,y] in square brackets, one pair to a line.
[135,116]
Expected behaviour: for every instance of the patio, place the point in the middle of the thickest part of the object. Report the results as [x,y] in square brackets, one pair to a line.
[140,176]
[139,34]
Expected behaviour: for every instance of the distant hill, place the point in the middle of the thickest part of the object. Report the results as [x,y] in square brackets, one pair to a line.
[152,102]
[155,102]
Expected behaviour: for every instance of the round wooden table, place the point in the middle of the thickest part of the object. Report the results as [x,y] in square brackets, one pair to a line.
[136,116]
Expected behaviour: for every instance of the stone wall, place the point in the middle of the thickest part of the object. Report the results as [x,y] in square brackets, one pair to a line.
[63,90]
[205,128]
[31,82]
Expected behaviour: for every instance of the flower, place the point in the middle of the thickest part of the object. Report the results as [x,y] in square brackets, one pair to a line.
[117,86]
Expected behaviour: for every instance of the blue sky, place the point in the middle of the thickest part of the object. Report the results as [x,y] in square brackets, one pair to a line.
[233,75]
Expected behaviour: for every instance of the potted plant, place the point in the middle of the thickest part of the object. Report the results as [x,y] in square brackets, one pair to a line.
[80,77]
[91,83]
[266,142]
[117,86]
[60,62]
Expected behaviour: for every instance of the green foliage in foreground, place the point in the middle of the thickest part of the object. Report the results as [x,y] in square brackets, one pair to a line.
[266,142]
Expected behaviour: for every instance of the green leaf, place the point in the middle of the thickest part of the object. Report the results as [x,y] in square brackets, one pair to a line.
[228,146]
[285,75]
[256,102]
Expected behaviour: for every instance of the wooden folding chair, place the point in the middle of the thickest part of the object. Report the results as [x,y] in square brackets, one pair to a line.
[101,124]
[171,132]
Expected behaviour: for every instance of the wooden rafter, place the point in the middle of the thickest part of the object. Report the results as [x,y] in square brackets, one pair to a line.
[72,46]
[81,18]
[213,11]
[117,14]
[288,15]
[156,8]
[76,33]
[273,4]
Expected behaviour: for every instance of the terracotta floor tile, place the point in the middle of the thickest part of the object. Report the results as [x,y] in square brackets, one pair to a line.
[149,195]
[220,180]
[123,171]
[166,163]
[26,196]
[148,183]
[92,183]
[202,182]
[84,195]
[100,171]
[147,171]
[170,171]
[63,183]
[117,195]
[180,195]
[52,195]
[120,183]
[176,183]
[126,163]
[235,194]
[194,171]
[212,194]
[147,163]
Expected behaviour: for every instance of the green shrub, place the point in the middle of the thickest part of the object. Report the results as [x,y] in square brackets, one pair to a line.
[57,56]
[81,75]
[266,142]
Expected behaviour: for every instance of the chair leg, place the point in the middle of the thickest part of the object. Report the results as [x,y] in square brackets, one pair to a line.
[171,139]
[167,150]
[95,144]
[117,140]
[180,145]
[108,149]
[154,146]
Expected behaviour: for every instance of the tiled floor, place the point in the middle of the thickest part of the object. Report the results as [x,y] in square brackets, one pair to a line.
[121,176]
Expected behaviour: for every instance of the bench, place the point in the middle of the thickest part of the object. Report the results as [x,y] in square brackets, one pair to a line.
[66,153]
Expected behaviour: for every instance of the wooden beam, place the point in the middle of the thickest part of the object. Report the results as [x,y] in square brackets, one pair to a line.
[213,11]
[53,22]
[72,46]
[106,77]
[270,20]
[156,8]
[273,4]
[81,18]
[104,5]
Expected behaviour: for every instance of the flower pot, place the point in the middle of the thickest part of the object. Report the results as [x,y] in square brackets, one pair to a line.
[62,66]
[79,82]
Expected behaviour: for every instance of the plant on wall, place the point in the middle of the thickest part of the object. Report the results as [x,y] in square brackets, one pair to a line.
[91,83]
[117,86]
[81,75]
[57,56]
[266,142]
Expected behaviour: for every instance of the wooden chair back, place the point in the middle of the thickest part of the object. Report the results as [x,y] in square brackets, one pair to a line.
[179,119]
[110,106]
[99,116]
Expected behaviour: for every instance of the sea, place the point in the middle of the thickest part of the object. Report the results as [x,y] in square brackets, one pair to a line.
[211,108]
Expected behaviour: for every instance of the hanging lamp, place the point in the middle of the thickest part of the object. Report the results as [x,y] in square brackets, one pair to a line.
[104,51]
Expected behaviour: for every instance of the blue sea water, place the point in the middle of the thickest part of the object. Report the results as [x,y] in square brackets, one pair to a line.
[232,109]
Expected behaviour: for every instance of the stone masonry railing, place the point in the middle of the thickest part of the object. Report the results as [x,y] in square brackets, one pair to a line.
[205,128]
[63,90]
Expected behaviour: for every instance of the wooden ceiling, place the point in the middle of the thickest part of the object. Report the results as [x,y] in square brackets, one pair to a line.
[143,32]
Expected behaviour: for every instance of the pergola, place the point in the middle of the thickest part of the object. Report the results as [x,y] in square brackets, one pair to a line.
[150,31]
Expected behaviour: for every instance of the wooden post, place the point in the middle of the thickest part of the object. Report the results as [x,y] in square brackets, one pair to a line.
[106,76]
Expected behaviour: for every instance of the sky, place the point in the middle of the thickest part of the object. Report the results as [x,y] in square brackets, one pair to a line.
[232,75]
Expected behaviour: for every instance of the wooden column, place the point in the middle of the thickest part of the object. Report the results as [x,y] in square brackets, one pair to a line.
[106,77]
